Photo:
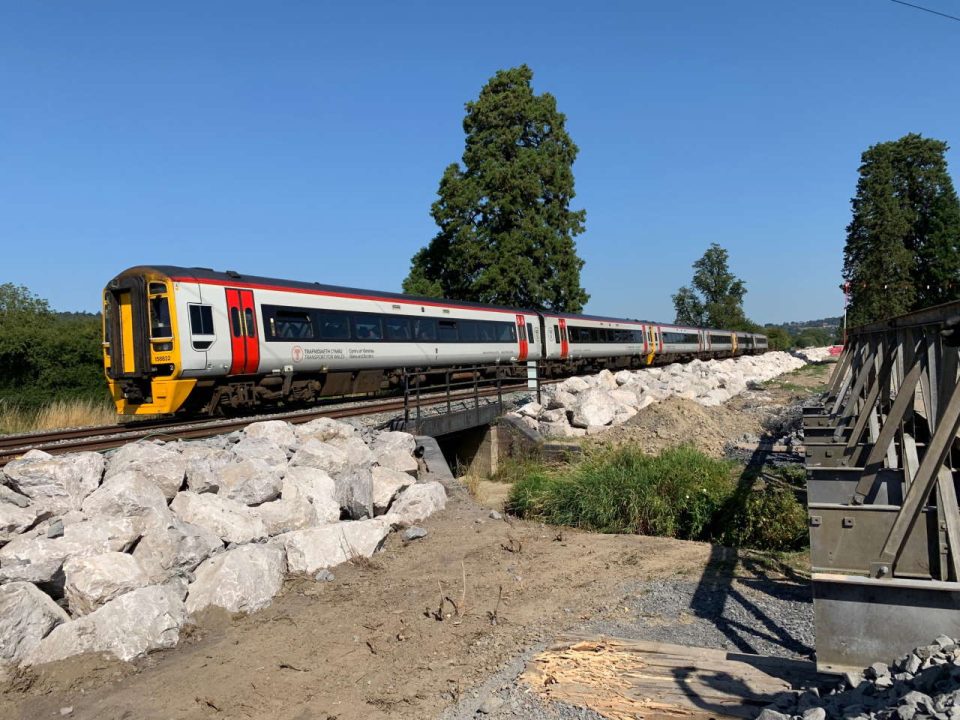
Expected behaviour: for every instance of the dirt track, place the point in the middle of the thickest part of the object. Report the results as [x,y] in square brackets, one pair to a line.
[369,644]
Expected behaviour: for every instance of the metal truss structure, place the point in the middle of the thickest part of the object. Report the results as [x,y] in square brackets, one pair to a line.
[881,457]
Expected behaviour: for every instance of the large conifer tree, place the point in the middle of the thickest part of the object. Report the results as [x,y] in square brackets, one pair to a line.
[506,228]
[903,242]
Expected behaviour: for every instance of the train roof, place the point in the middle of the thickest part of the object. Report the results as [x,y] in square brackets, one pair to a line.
[230,276]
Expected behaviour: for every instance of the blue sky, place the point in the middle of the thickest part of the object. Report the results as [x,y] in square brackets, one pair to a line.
[306,139]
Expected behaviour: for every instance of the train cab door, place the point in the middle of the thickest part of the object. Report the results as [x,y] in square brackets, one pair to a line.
[564,340]
[522,337]
[244,341]
[651,343]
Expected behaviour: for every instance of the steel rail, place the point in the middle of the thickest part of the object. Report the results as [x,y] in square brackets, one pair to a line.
[107,437]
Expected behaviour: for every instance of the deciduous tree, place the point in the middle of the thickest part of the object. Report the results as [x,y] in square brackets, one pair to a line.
[506,228]
[715,298]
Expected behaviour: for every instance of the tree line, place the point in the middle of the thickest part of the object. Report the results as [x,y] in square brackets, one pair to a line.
[45,355]
[506,228]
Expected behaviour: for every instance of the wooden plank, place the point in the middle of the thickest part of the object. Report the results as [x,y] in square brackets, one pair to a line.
[628,679]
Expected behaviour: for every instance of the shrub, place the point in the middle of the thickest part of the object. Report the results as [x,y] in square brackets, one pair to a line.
[681,493]
[767,514]
[676,494]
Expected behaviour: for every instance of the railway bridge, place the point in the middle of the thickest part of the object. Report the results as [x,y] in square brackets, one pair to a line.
[882,459]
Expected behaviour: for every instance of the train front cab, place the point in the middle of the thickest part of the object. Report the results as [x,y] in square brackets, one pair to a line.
[141,354]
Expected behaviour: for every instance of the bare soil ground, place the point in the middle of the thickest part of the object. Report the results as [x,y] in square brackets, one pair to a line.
[406,635]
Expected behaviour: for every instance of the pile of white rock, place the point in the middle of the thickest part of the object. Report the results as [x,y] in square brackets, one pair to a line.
[114,554]
[588,405]
[816,354]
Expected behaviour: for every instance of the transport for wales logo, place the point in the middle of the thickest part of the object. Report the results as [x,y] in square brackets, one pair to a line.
[296,352]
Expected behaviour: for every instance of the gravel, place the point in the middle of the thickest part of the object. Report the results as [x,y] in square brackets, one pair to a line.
[752,615]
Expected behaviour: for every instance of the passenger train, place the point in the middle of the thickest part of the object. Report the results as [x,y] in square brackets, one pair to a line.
[195,341]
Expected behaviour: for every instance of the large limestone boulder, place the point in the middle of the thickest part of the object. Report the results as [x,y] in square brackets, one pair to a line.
[129,494]
[324,429]
[606,380]
[244,579]
[559,399]
[280,516]
[560,429]
[356,450]
[55,483]
[394,441]
[144,619]
[175,549]
[530,409]
[259,448]
[714,397]
[15,520]
[231,521]
[417,503]
[386,484]
[27,615]
[311,550]
[103,534]
[574,385]
[594,407]
[251,482]
[36,559]
[623,396]
[204,464]
[355,492]
[320,455]
[315,487]
[160,464]
[553,416]
[94,580]
[278,432]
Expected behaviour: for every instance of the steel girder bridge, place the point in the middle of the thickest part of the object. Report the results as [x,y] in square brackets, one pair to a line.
[882,457]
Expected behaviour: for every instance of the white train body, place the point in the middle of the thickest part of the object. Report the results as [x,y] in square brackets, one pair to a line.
[176,334]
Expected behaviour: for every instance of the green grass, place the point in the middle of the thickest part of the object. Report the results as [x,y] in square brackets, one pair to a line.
[680,493]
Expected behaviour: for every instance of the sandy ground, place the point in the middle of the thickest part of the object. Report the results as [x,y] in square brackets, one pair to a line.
[406,635]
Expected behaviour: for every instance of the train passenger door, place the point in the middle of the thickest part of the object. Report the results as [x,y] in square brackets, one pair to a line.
[564,340]
[244,344]
[522,337]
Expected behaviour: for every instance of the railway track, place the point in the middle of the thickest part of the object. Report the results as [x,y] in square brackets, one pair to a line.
[111,436]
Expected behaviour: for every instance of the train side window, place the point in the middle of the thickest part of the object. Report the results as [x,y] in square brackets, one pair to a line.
[367,327]
[447,331]
[201,320]
[292,325]
[397,328]
[486,331]
[506,332]
[530,336]
[248,319]
[469,331]
[556,334]
[235,325]
[334,326]
[160,318]
[425,329]
[157,288]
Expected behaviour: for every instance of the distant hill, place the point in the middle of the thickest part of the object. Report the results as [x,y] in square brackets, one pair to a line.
[799,325]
